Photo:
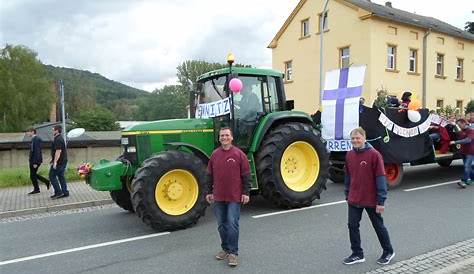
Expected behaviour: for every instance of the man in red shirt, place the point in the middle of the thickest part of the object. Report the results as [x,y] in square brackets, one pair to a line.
[229,187]
[365,188]
[466,140]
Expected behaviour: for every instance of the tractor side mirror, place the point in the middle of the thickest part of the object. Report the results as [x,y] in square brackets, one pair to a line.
[289,104]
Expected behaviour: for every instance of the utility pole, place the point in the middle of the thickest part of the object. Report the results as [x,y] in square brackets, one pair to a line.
[63,114]
[321,57]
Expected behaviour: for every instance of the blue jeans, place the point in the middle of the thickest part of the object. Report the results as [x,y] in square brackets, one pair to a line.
[355,215]
[468,160]
[54,176]
[228,215]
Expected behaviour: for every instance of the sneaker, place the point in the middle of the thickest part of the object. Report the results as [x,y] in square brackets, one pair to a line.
[56,196]
[469,182]
[462,184]
[222,255]
[48,185]
[232,259]
[354,259]
[34,192]
[385,258]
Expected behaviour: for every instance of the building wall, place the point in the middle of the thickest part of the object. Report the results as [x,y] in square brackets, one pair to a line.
[368,40]
[14,158]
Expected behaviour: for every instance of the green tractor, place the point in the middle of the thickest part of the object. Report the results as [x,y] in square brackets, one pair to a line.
[162,172]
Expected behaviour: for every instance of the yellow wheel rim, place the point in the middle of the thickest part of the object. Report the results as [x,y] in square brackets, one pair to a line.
[299,166]
[176,192]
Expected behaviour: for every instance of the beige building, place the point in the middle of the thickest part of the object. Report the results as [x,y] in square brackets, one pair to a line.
[393,44]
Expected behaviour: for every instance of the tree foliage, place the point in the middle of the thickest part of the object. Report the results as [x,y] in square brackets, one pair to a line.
[167,103]
[97,119]
[470,107]
[25,92]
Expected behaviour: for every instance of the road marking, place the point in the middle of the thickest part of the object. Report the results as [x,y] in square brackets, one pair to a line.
[49,254]
[430,186]
[297,209]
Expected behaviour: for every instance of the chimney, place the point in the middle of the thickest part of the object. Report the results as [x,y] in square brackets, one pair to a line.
[388,4]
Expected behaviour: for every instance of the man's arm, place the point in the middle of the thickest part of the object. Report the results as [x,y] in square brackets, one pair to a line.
[347,184]
[246,184]
[57,154]
[464,141]
[36,151]
[381,183]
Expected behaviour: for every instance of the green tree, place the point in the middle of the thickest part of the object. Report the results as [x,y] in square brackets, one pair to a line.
[24,89]
[98,119]
[167,103]
[470,107]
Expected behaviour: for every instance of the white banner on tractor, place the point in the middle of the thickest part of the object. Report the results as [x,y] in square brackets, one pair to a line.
[340,105]
[214,109]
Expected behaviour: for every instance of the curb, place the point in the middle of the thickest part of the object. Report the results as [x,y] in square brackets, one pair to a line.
[29,211]
[455,267]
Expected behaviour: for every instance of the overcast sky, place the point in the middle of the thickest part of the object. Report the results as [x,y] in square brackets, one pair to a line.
[141,42]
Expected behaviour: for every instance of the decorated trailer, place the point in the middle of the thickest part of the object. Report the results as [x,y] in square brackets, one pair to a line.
[400,135]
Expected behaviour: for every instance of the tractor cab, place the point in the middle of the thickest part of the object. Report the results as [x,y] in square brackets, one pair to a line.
[260,93]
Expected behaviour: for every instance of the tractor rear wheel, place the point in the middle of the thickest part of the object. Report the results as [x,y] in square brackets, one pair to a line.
[169,190]
[292,165]
[394,174]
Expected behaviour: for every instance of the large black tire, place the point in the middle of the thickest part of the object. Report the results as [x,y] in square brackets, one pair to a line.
[122,198]
[336,174]
[147,180]
[269,161]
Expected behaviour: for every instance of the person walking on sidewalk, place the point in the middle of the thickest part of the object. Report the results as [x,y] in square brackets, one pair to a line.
[228,188]
[35,160]
[365,188]
[58,164]
[466,140]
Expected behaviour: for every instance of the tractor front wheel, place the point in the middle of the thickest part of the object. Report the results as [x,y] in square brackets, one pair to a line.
[292,165]
[168,190]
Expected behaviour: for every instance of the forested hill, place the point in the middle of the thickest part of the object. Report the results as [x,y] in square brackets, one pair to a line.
[85,90]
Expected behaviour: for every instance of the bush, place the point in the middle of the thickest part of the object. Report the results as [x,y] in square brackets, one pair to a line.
[13,177]
[470,107]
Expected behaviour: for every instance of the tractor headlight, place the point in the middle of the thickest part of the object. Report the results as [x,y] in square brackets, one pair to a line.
[131,149]
[124,141]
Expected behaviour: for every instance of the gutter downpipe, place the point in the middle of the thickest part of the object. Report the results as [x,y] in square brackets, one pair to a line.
[321,58]
[425,42]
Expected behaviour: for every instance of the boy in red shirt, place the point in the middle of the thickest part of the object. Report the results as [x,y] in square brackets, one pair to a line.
[229,187]
[365,188]
[466,140]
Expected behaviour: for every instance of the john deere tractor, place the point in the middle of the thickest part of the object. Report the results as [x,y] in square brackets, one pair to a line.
[162,172]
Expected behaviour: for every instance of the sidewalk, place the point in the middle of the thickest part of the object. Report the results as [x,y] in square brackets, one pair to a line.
[454,259]
[15,201]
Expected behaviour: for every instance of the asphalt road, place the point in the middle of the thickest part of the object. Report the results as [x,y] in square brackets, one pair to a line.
[313,240]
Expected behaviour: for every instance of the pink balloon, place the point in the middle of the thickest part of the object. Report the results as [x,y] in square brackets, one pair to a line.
[235,85]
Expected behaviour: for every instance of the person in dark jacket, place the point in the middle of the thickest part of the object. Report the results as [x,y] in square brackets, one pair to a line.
[466,140]
[228,188]
[58,164]
[365,188]
[35,160]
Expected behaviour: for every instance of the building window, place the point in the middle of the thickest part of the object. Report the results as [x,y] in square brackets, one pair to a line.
[392,30]
[289,71]
[459,69]
[413,60]
[459,106]
[305,28]
[460,45]
[439,103]
[344,54]
[391,57]
[325,21]
[439,64]
[440,40]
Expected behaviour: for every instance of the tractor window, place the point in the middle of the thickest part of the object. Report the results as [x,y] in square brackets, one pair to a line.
[272,92]
[248,102]
[213,90]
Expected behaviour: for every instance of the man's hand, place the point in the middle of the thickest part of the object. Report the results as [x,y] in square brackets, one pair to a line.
[379,209]
[210,198]
[452,143]
[55,165]
[245,199]
[35,165]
